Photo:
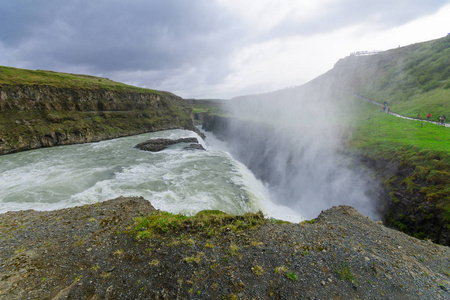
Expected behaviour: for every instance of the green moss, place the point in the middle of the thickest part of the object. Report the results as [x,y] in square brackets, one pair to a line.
[276,221]
[401,226]
[258,270]
[204,223]
[345,273]
[312,221]
[410,184]
[292,276]
[393,198]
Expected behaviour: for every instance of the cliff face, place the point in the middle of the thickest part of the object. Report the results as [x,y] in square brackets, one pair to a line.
[44,97]
[34,116]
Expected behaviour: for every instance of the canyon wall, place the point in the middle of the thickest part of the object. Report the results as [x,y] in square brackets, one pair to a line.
[274,161]
[35,116]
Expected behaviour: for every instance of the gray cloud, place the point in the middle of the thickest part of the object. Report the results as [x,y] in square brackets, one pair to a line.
[162,38]
[343,13]
[115,35]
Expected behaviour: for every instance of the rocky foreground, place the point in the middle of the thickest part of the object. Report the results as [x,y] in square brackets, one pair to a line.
[92,252]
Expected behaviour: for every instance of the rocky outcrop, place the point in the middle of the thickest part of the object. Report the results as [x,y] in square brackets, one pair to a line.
[98,252]
[34,116]
[43,97]
[405,208]
[156,145]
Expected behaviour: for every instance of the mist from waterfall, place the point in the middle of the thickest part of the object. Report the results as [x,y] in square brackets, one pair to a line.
[293,140]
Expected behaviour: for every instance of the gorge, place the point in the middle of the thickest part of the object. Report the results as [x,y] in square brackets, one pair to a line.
[228,222]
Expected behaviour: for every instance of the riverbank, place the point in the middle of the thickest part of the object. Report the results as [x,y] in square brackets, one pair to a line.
[92,252]
[45,109]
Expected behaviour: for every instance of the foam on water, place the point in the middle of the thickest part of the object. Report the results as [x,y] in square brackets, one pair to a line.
[174,180]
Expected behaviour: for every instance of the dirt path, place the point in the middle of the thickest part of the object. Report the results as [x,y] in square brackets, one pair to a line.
[397,115]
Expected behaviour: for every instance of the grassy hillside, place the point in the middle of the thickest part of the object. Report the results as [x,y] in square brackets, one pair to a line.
[16,76]
[375,129]
[413,79]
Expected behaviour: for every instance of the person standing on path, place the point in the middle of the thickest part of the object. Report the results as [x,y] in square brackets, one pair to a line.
[418,116]
[428,116]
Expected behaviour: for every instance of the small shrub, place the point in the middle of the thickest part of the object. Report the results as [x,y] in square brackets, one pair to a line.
[345,273]
[255,243]
[154,262]
[312,221]
[233,249]
[189,242]
[279,270]
[118,252]
[276,221]
[257,270]
[94,268]
[19,250]
[197,258]
[292,276]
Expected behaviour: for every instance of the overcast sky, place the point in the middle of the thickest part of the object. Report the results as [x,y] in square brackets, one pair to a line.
[209,48]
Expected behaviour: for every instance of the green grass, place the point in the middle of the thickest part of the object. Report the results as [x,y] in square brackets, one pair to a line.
[208,109]
[345,273]
[258,270]
[208,222]
[15,76]
[386,132]
[435,102]
[292,276]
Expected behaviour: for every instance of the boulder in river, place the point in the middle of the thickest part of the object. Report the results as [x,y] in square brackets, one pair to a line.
[194,147]
[156,145]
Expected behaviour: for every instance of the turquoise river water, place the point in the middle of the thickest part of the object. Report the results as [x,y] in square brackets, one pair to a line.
[175,180]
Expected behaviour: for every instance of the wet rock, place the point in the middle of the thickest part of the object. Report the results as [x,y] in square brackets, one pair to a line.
[156,145]
[194,147]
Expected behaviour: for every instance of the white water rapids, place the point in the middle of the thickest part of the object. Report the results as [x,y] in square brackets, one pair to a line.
[173,180]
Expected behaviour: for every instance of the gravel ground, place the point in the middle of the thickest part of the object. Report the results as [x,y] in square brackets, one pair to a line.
[88,253]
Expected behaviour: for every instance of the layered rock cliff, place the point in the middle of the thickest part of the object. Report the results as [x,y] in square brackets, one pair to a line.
[39,115]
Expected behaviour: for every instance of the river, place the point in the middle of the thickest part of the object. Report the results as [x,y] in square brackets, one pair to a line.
[174,180]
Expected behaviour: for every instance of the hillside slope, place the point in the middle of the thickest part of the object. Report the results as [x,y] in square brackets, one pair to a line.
[44,108]
[413,79]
